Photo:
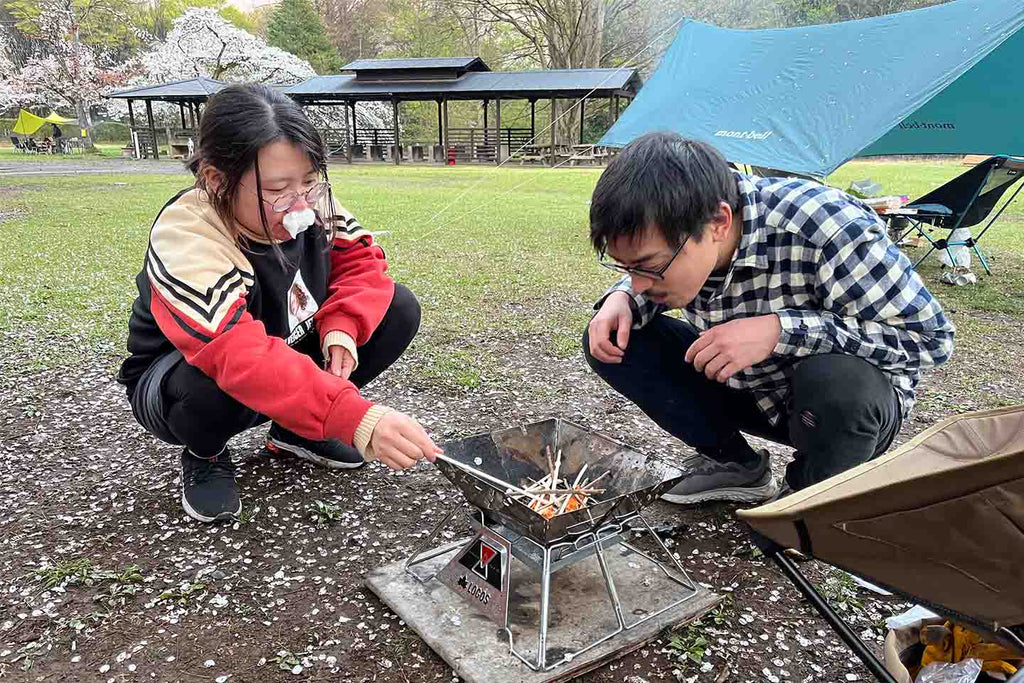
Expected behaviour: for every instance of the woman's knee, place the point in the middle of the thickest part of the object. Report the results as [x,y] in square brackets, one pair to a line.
[405,310]
[199,405]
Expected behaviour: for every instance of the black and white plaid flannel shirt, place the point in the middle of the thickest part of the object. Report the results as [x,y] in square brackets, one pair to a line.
[823,262]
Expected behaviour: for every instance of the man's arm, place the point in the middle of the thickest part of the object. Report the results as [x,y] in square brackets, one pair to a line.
[643,308]
[873,305]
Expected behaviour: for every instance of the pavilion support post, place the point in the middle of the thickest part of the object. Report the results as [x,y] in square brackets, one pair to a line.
[131,130]
[446,142]
[440,126]
[355,125]
[181,110]
[487,104]
[533,120]
[349,138]
[398,143]
[152,129]
[554,117]
[497,118]
[615,115]
[583,104]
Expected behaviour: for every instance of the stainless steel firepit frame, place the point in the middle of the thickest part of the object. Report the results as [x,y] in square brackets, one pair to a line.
[556,556]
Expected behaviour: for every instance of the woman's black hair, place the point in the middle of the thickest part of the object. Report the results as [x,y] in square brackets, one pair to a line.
[237,123]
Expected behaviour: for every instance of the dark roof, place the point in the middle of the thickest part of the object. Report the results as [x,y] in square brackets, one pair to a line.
[562,83]
[416,63]
[191,90]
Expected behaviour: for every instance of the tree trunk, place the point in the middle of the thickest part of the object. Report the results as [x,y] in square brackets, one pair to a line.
[82,109]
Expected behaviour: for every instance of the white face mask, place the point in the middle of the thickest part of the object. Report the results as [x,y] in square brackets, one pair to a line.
[297,221]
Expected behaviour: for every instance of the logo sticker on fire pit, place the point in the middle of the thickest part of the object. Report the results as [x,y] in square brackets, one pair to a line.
[480,575]
[479,561]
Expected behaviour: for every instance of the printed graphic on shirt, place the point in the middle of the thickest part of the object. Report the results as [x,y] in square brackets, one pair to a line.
[301,308]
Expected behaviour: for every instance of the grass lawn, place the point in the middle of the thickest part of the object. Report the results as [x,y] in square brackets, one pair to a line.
[497,253]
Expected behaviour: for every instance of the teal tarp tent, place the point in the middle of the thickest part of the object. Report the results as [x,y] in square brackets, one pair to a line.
[945,79]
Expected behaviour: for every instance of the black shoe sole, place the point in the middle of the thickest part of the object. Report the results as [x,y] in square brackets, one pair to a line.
[275,446]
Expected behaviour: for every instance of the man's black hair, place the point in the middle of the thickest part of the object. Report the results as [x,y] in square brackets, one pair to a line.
[660,180]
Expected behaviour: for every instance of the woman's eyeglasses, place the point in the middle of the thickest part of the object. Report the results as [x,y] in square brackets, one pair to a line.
[286,201]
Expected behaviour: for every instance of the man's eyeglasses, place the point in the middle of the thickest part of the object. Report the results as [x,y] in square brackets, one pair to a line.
[658,274]
[288,200]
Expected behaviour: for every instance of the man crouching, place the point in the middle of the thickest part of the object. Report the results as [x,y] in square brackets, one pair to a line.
[801,322]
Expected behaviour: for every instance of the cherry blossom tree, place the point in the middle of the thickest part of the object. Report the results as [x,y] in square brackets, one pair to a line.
[8,96]
[67,72]
[203,43]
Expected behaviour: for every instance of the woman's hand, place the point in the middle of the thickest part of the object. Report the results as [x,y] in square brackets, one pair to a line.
[399,441]
[341,363]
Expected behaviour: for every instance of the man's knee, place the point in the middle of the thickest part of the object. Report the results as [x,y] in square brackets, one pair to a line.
[830,391]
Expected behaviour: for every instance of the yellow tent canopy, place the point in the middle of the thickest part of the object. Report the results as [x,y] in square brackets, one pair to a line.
[54,117]
[28,123]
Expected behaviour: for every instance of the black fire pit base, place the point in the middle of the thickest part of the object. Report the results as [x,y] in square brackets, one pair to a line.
[477,649]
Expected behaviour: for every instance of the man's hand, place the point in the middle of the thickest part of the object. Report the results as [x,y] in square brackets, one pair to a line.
[728,348]
[399,442]
[616,315]
[341,363]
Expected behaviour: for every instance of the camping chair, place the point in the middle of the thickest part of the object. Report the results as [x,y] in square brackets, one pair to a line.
[938,521]
[963,202]
[19,145]
[31,146]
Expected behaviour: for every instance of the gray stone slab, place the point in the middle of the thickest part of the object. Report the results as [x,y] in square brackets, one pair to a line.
[581,611]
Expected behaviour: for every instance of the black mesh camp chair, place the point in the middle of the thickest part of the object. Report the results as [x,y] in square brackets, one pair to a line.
[19,145]
[963,202]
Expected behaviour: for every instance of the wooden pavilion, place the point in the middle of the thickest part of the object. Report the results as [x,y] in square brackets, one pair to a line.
[441,80]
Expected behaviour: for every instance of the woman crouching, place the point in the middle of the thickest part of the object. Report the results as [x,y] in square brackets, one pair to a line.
[253,281]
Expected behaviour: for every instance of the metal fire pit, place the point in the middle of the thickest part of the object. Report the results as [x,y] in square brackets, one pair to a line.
[505,528]
[519,453]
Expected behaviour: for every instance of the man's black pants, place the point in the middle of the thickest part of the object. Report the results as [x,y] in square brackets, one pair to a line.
[842,410]
[179,404]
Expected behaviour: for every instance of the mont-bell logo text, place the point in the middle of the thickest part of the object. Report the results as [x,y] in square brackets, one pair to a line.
[744,134]
[943,125]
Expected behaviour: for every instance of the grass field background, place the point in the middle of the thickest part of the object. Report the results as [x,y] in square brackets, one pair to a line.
[500,253]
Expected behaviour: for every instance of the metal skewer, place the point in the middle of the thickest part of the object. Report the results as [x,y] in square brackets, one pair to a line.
[483,475]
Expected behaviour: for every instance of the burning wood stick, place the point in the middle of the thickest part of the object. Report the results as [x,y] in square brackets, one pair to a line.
[551,495]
